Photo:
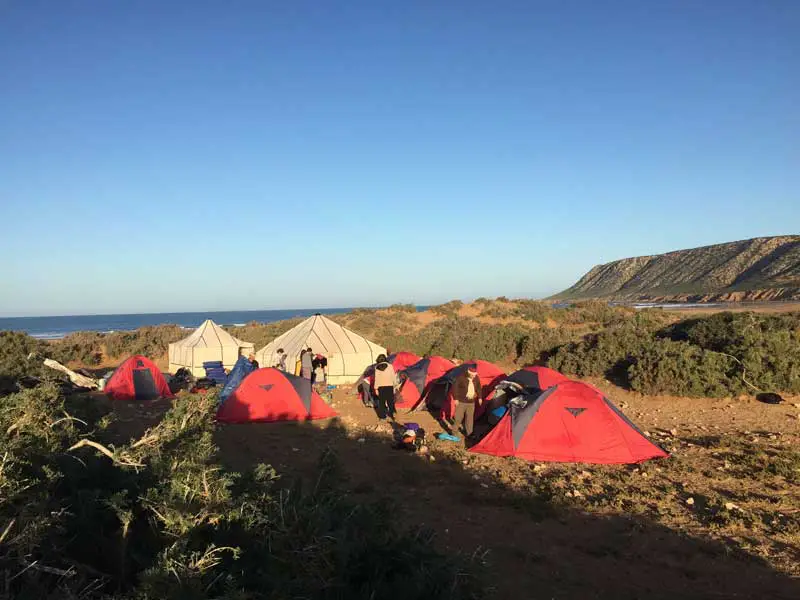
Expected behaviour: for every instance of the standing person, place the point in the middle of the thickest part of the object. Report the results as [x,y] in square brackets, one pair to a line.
[253,362]
[466,393]
[319,377]
[384,386]
[281,364]
[298,364]
[305,364]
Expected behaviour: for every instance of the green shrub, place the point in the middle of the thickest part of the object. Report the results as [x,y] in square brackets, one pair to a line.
[766,346]
[532,310]
[495,311]
[448,308]
[536,346]
[261,334]
[162,518]
[85,347]
[15,347]
[408,308]
[594,311]
[152,342]
[608,353]
[667,367]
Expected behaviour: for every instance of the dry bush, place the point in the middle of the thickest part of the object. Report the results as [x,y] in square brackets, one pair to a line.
[448,309]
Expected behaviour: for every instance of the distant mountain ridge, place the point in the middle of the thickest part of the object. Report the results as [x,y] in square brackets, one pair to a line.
[765,268]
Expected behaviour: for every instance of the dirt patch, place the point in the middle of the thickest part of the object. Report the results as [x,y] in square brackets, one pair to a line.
[707,522]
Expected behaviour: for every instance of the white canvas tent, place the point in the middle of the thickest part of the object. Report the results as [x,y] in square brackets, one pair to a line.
[347,352]
[208,342]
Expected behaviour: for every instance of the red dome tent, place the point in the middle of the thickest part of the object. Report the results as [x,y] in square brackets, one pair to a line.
[268,395]
[399,360]
[528,380]
[416,379]
[138,378]
[569,422]
[439,398]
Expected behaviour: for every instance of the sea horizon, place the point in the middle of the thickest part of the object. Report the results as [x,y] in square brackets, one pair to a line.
[59,326]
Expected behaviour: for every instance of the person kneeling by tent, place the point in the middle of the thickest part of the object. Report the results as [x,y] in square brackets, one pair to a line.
[384,386]
[466,393]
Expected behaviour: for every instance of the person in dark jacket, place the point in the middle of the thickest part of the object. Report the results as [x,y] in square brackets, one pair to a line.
[384,386]
[253,362]
[466,393]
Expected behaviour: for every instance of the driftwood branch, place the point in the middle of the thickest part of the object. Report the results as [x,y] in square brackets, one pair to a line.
[744,369]
[104,450]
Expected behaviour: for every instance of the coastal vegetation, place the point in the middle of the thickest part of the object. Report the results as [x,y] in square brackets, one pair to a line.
[650,351]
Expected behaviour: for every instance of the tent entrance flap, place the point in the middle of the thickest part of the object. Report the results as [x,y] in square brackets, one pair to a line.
[144,386]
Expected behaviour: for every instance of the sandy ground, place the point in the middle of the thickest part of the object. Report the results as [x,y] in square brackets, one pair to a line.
[573,531]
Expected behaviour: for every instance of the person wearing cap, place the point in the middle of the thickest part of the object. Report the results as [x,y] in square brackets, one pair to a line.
[466,393]
[384,387]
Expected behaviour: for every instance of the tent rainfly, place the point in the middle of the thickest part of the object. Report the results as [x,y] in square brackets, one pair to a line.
[347,352]
[209,342]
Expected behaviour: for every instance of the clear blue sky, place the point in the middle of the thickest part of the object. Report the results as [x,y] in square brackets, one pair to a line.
[198,155]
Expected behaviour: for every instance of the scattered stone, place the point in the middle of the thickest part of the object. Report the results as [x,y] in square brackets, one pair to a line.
[647,434]
[539,468]
[361,440]
[485,486]
[690,501]
[673,432]
[577,494]
[465,461]
[432,458]
[731,506]
[295,449]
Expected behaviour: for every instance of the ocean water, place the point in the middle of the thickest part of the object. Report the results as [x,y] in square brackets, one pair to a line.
[58,327]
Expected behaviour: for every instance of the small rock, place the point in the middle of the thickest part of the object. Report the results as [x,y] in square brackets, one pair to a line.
[295,449]
[539,468]
[361,440]
[645,475]
[432,458]
[796,404]
[647,434]
[731,506]
[690,501]
[465,461]
[577,494]
[485,486]
[475,477]
[673,432]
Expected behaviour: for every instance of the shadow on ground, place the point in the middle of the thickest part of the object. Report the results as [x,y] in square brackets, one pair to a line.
[535,545]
